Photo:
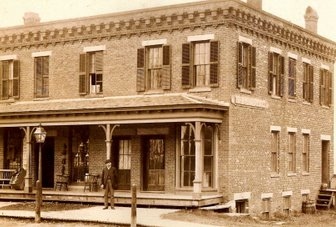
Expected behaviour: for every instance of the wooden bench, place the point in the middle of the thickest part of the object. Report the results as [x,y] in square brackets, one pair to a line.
[5,177]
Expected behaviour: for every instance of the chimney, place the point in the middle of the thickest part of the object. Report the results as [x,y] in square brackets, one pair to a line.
[31,18]
[311,19]
[257,4]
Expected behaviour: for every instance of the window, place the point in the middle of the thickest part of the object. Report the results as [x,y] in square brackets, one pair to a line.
[208,157]
[292,152]
[275,74]
[246,75]
[308,82]
[91,73]
[41,76]
[325,87]
[125,149]
[287,204]
[275,152]
[9,79]
[200,64]
[291,77]
[153,63]
[187,158]
[266,207]
[242,206]
[305,153]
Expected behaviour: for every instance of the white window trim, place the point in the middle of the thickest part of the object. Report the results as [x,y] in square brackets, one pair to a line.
[291,55]
[326,137]
[323,66]
[306,60]
[94,48]
[41,54]
[276,50]
[305,192]
[245,40]
[266,195]
[154,42]
[243,195]
[289,129]
[200,37]
[275,128]
[8,57]
[287,193]
[305,131]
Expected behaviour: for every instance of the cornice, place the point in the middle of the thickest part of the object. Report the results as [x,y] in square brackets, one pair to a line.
[236,16]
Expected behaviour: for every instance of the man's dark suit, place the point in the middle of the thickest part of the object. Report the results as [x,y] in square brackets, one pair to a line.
[108,183]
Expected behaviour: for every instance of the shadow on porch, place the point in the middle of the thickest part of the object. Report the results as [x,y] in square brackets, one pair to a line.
[122,198]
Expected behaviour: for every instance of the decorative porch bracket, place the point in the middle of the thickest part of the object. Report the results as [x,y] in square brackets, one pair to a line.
[197,189]
[108,134]
[27,158]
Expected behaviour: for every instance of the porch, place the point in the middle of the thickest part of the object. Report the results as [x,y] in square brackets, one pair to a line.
[122,198]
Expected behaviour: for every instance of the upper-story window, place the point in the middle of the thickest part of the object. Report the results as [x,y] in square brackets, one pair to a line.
[41,64]
[200,64]
[275,74]
[246,74]
[9,79]
[291,77]
[325,87]
[153,68]
[308,82]
[91,73]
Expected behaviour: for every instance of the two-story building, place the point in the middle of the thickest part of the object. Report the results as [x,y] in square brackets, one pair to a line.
[207,98]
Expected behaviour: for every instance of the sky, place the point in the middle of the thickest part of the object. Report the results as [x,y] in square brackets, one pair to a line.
[12,11]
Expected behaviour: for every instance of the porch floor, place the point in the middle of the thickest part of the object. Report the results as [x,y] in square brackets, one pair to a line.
[124,198]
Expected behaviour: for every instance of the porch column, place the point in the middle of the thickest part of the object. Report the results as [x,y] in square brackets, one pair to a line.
[108,138]
[26,159]
[198,161]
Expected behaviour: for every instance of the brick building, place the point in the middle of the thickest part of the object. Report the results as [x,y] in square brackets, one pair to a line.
[207,98]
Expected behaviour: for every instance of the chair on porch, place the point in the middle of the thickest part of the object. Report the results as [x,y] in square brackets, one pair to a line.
[91,182]
[62,182]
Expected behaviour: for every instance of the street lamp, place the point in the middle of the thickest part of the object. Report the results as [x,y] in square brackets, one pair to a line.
[40,135]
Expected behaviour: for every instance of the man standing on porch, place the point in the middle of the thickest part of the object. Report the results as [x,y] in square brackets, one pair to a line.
[108,183]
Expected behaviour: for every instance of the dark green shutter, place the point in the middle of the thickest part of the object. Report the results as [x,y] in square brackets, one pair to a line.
[253,67]
[311,83]
[141,70]
[239,64]
[83,82]
[16,79]
[186,65]
[214,56]
[281,75]
[166,70]
[270,72]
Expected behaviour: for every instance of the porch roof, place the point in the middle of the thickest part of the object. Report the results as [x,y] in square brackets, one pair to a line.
[144,106]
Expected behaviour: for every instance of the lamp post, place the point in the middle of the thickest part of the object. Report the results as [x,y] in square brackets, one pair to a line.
[40,135]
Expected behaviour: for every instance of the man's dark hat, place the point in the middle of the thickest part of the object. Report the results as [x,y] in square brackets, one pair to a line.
[107,161]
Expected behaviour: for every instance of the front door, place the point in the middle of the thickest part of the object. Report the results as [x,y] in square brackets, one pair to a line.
[154,164]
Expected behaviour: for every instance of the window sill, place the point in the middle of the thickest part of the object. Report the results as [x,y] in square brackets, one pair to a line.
[305,173]
[154,92]
[100,95]
[275,97]
[307,103]
[200,89]
[326,107]
[275,175]
[293,100]
[245,91]
[10,100]
[41,99]
[291,174]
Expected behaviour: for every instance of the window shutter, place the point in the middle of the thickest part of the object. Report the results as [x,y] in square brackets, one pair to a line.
[214,54]
[166,72]
[270,72]
[281,75]
[99,62]
[329,76]
[83,82]
[45,76]
[239,64]
[186,61]
[38,76]
[5,77]
[253,67]
[141,70]
[311,83]
[322,86]
[16,79]
[1,77]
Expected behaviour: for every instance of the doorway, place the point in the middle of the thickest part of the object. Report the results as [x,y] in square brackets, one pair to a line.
[325,162]
[154,164]
[48,152]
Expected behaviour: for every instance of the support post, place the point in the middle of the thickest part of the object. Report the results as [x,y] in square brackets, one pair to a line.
[198,160]
[134,204]
[38,202]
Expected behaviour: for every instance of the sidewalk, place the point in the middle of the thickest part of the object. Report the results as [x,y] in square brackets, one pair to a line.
[120,215]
